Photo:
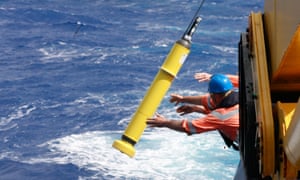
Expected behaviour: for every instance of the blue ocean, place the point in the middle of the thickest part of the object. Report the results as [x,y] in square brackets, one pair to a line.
[72,74]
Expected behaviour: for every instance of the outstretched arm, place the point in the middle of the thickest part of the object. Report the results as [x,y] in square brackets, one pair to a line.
[186,109]
[201,77]
[176,98]
[160,121]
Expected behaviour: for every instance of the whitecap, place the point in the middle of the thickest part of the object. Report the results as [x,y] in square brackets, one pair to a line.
[159,154]
[7,123]
[231,50]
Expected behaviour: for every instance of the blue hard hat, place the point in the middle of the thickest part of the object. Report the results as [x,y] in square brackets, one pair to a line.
[219,83]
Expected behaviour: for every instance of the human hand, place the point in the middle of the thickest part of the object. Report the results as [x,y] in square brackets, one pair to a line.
[185,109]
[201,77]
[176,98]
[157,121]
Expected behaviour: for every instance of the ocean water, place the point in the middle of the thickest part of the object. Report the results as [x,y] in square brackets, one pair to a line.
[72,74]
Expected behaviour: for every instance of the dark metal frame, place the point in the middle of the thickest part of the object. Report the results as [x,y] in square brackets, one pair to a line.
[248,125]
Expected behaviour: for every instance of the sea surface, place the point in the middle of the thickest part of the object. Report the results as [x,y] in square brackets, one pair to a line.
[73,72]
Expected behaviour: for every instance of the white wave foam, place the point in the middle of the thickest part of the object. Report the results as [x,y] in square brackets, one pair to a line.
[51,54]
[160,154]
[161,43]
[22,111]
[63,52]
[98,98]
[147,26]
[225,49]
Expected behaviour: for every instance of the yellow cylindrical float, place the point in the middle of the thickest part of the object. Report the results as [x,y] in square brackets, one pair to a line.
[153,97]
